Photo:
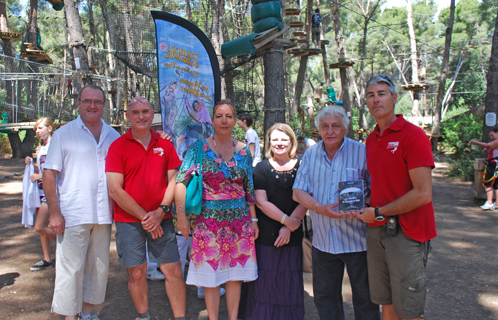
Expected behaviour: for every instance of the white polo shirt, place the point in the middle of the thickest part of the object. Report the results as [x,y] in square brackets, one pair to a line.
[81,179]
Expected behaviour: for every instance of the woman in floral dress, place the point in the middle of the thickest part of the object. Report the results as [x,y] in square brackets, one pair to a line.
[223,250]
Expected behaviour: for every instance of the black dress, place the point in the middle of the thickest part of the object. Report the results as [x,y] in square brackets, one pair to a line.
[278,293]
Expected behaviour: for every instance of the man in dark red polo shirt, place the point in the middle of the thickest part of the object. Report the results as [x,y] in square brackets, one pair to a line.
[141,169]
[401,216]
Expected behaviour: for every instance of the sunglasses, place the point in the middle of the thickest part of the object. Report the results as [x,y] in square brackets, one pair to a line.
[137,100]
[387,79]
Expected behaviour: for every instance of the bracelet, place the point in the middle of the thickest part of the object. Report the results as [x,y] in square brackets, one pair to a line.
[254,219]
[181,211]
[180,207]
[283,218]
[316,207]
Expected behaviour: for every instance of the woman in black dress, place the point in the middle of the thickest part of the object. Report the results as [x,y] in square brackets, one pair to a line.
[278,293]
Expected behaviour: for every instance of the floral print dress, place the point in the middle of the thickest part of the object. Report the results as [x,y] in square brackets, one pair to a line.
[223,237]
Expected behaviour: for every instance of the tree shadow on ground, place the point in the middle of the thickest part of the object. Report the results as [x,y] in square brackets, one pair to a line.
[8,279]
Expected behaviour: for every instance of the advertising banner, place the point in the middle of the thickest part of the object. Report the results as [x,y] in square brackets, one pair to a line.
[189,80]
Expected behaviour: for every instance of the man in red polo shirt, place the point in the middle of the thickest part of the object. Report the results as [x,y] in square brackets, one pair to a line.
[401,216]
[141,169]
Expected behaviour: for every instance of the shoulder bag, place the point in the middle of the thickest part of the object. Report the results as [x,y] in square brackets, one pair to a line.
[193,200]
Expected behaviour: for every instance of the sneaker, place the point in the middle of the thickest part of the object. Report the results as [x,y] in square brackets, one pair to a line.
[92,316]
[42,265]
[200,293]
[488,206]
[155,276]
[138,318]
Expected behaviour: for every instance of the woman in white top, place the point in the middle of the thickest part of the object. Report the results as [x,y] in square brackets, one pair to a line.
[44,128]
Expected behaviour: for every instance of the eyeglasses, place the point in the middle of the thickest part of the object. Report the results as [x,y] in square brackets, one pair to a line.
[88,102]
[386,78]
[137,100]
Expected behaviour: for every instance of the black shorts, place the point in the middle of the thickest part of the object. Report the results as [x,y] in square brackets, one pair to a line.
[488,175]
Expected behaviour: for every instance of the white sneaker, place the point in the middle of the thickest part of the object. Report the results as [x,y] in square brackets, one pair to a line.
[488,206]
[200,292]
[155,276]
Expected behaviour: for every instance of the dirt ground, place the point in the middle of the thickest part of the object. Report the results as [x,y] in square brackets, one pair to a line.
[462,268]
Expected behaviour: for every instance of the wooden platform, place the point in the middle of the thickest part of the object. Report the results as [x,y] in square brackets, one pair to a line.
[302,41]
[10,35]
[291,12]
[415,86]
[341,64]
[296,24]
[299,34]
[298,52]
[30,51]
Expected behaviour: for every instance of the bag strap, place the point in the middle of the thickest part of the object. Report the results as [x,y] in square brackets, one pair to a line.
[198,162]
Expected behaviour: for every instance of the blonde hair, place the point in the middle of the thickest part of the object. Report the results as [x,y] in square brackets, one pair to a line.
[285,128]
[47,122]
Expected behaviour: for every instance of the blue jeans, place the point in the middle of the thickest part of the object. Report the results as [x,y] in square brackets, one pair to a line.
[328,274]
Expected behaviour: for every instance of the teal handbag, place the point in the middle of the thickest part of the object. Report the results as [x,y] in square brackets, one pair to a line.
[193,201]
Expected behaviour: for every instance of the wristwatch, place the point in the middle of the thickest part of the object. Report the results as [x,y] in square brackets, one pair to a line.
[165,208]
[378,216]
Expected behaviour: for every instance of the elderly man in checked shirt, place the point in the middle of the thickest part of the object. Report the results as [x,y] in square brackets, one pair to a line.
[338,240]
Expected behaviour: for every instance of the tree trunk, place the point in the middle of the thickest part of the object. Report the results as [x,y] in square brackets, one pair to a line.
[309,98]
[414,61]
[189,11]
[32,88]
[130,46]
[9,67]
[444,75]
[93,35]
[298,89]
[346,100]
[22,149]
[274,89]
[76,39]
[326,73]
[491,100]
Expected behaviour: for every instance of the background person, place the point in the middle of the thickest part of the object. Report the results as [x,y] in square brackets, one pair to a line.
[44,128]
[492,184]
[303,144]
[278,293]
[223,249]
[316,25]
[251,139]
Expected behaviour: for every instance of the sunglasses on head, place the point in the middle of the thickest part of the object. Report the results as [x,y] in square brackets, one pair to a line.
[137,100]
[387,79]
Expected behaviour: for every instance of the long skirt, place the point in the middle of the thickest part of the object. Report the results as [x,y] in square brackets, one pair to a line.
[278,293]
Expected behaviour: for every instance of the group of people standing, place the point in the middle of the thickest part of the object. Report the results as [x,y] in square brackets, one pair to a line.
[248,235]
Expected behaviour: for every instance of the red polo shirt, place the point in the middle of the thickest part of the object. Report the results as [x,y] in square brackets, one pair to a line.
[402,147]
[145,171]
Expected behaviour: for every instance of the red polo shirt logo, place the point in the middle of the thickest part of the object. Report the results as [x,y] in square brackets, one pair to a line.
[158,150]
[393,145]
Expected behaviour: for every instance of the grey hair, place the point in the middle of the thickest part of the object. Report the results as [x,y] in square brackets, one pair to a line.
[383,79]
[331,111]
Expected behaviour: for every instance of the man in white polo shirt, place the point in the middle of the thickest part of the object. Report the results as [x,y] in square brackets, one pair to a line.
[81,215]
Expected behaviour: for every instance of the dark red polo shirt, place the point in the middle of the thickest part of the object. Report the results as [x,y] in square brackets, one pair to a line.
[145,171]
[402,147]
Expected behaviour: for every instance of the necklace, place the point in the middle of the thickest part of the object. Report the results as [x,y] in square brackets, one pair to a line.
[219,153]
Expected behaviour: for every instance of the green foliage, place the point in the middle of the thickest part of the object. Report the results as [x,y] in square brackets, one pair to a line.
[457,132]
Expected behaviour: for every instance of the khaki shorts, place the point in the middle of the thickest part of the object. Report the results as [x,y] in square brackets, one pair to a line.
[396,271]
[82,267]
